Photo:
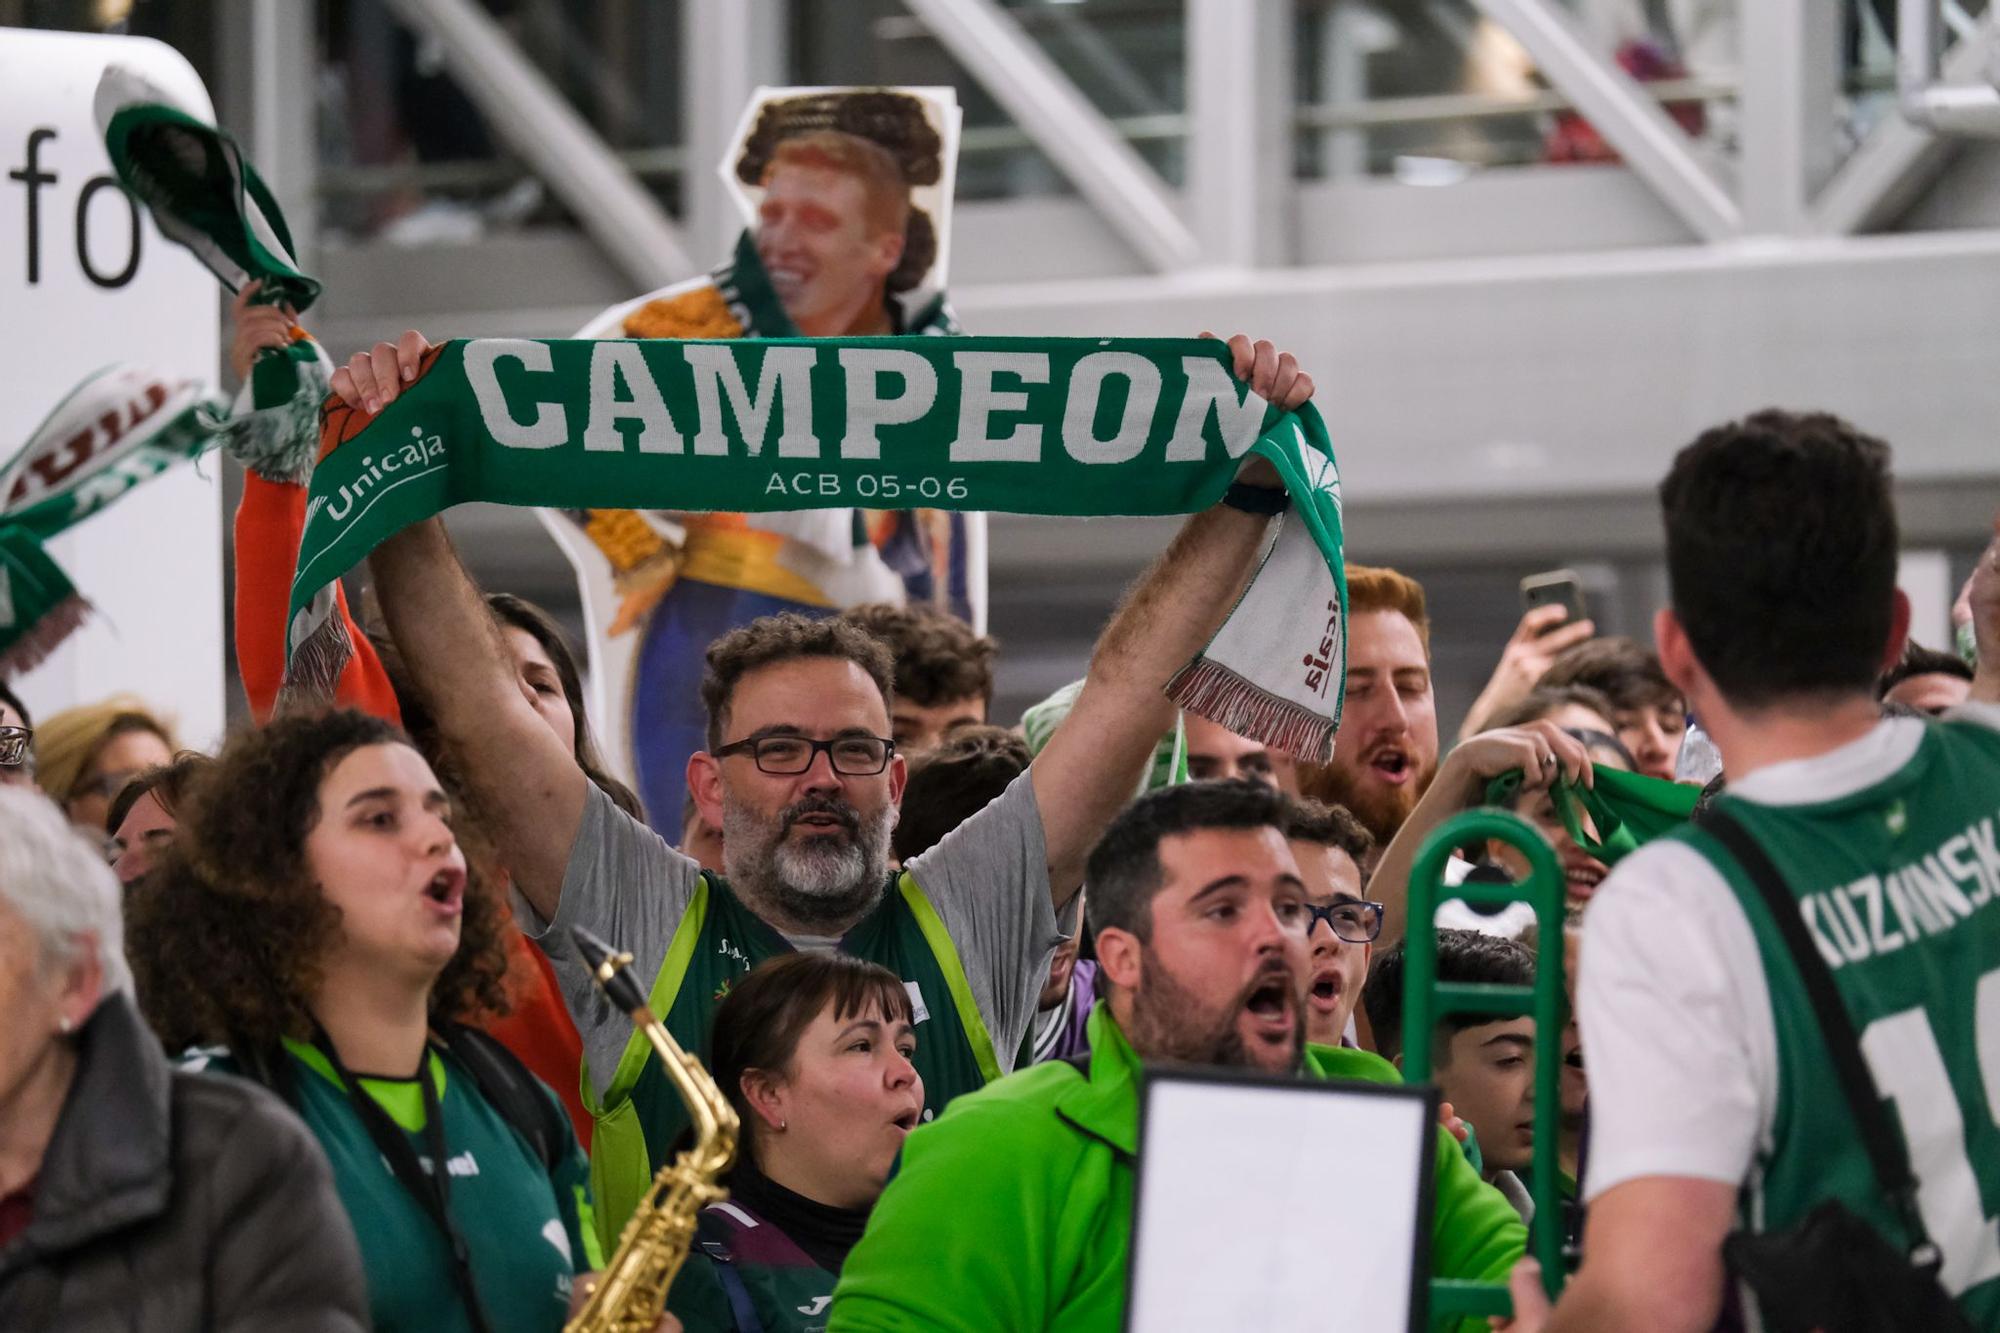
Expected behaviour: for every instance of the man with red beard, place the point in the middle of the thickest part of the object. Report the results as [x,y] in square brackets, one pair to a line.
[1386,751]
[1022,1192]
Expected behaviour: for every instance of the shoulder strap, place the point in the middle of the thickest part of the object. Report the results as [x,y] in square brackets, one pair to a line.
[267,1067]
[1886,1152]
[715,1234]
[512,1089]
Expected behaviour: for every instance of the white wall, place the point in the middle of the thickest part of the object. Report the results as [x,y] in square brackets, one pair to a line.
[152,563]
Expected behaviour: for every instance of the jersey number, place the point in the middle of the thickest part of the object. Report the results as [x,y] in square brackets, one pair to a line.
[1902,1053]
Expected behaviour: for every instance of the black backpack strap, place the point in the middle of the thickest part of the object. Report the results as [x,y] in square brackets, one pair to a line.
[267,1067]
[715,1236]
[1886,1151]
[522,1100]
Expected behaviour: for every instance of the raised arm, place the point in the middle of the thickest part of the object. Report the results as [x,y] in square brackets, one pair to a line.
[276,444]
[1538,641]
[269,519]
[525,779]
[1540,750]
[1093,763]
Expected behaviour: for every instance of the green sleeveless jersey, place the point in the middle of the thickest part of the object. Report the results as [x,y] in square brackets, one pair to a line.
[718,940]
[1899,887]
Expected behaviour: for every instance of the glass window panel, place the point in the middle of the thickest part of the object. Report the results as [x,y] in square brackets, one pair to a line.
[407,157]
[1126,56]
[1431,90]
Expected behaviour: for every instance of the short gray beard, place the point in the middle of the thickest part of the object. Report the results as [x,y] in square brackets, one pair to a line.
[818,887]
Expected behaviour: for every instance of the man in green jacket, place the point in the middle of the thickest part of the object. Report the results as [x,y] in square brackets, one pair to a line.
[1014,1210]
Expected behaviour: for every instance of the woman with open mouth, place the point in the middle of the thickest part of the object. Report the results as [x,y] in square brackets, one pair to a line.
[317,928]
[813,1050]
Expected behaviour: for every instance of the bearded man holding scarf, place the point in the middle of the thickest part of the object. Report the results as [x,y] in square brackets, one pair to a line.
[846,200]
[971,926]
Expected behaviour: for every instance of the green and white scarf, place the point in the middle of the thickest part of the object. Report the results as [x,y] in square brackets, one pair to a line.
[202,191]
[120,428]
[204,194]
[1626,810]
[1074,426]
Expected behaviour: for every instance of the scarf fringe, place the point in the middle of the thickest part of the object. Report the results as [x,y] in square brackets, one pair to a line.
[280,442]
[313,675]
[32,647]
[1213,691]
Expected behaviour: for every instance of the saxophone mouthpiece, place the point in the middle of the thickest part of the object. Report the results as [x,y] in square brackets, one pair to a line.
[612,968]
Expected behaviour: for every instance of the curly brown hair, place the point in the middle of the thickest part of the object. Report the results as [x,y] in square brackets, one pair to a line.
[227,937]
[784,637]
[892,120]
[939,658]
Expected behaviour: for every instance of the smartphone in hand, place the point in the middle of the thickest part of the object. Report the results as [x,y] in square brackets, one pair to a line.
[1557,587]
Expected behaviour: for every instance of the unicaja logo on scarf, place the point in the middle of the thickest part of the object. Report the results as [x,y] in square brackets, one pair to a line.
[1317,665]
[384,472]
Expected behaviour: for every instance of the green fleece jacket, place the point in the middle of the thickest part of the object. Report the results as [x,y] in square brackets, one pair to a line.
[1014,1210]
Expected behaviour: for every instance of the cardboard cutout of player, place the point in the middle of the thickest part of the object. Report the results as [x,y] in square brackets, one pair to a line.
[846,198]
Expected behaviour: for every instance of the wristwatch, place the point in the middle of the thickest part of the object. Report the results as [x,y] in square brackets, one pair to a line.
[1264,500]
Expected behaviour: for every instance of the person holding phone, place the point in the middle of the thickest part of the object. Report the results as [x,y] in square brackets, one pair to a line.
[1718,1141]
[1553,620]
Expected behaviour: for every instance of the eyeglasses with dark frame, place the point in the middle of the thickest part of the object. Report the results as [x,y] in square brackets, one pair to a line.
[1350,919]
[14,742]
[789,756]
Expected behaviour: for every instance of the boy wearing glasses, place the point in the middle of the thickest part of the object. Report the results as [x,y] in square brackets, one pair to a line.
[1022,1193]
[1330,845]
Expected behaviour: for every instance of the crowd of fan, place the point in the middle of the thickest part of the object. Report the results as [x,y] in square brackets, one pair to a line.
[878,900]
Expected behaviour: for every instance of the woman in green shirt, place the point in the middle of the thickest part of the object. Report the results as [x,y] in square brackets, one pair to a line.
[813,1050]
[318,921]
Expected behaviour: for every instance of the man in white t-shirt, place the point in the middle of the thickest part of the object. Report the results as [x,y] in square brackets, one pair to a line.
[1714,1108]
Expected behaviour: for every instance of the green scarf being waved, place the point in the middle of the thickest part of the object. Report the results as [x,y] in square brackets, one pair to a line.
[118,429]
[1071,426]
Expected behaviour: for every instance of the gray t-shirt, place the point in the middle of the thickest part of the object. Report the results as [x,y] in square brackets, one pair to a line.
[988,880]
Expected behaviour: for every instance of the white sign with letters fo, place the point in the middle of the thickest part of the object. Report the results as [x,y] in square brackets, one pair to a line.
[86,280]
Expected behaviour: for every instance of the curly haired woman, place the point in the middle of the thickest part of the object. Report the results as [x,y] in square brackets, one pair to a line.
[318,920]
[277,445]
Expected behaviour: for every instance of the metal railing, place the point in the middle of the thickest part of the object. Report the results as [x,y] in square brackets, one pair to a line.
[668,161]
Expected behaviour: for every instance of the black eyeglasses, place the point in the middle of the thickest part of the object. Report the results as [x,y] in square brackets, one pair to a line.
[1354,921]
[788,756]
[14,743]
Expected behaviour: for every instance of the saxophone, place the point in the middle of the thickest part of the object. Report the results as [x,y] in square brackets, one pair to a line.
[632,1291]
